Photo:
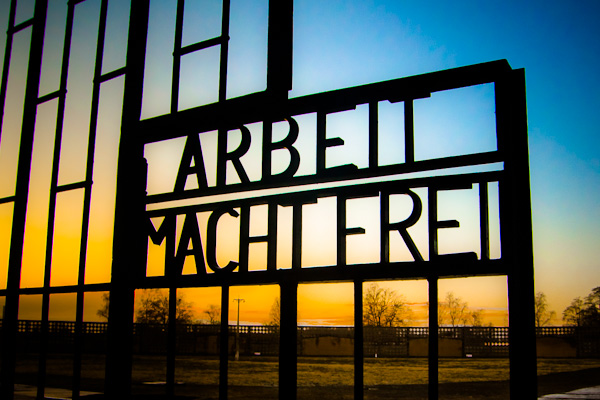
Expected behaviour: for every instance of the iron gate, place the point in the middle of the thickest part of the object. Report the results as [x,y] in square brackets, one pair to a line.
[134,209]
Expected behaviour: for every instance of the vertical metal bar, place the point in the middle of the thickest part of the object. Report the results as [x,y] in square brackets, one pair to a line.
[373,135]
[244,237]
[321,140]
[60,115]
[224,343]
[224,50]
[88,198]
[432,222]
[409,132]
[433,354]
[433,296]
[92,139]
[297,236]
[7,54]
[384,223]
[517,242]
[171,342]
[221,160]
[129,240]
[44,337]
[484,225]
[288,341]
[177,56]
[267,158]
[279,58]
[341,231]
[272,237]
[10,323]
[359,352]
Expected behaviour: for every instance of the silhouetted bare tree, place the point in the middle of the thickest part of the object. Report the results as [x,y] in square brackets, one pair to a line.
[453,311]
[383,307]
[274,313]
[103,311]
[543,316]
[214,314]
[476,317]
[584,312]
[573,314]
[153,308]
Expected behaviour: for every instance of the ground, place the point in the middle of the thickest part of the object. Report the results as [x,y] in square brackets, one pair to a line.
[324,377]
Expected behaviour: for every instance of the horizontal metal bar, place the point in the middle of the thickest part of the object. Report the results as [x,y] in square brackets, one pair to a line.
[52,96]
[201,45]
[348,177]
[23,25]
[72,186]
[263,106]
[7,199]
[91,287]
[406,270]
[351,190]
[111,75]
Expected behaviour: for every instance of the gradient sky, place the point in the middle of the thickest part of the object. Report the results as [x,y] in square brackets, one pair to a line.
[339,44]
[347,43]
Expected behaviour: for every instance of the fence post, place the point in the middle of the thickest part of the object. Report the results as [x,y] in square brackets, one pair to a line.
[130,237]
[288,341]
[517,242]
[15,259]
[359,353]
[433,338]
[224,343]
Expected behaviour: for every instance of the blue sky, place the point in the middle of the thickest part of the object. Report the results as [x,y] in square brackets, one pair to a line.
[348,43]
[339,44]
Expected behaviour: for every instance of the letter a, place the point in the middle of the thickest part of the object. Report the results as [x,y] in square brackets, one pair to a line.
[192,151]
[189,233]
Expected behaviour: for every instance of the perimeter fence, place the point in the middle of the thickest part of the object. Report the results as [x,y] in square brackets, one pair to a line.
[262,340]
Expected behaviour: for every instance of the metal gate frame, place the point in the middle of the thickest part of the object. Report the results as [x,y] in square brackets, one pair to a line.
[131,235]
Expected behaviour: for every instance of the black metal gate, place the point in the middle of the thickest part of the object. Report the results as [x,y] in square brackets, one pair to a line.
[126,270]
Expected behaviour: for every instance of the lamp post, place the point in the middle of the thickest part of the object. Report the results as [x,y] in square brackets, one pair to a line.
[237,330]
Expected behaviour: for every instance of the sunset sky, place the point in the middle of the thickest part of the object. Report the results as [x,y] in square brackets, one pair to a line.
[337,44]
